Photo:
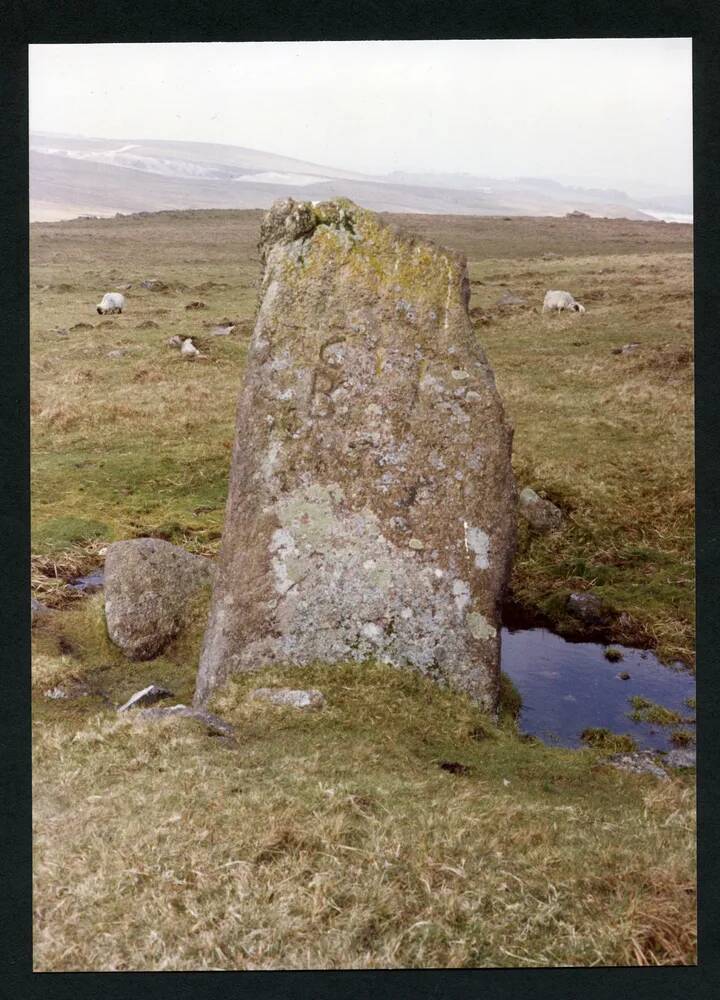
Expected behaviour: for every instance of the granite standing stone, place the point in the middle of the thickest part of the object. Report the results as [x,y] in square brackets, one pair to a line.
[372,509]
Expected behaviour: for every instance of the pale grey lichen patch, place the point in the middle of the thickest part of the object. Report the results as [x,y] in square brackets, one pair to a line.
[336,567]
[461,594]
[477,541]
[480,627]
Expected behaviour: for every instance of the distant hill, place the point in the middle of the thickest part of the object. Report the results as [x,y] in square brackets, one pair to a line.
[75,175]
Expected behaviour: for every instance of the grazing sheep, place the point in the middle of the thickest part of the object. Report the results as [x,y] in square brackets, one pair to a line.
[112,302]
[189,351]
[560,301]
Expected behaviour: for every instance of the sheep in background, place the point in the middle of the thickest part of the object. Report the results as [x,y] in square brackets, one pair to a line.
[112,302]
[561,300]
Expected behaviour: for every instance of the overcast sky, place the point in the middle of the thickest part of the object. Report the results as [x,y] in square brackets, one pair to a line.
[616,112]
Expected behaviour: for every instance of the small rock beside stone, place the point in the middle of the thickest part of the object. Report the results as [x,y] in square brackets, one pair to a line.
[216,725]
[148,696]
[289,698]
[587,607]
[541,514]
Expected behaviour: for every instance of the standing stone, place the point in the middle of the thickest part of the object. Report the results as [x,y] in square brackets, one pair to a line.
[371,507]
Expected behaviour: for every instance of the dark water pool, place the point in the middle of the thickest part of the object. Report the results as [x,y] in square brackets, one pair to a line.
[567,687]
[90,583]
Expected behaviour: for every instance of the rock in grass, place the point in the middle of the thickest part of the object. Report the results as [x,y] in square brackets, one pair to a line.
[366,398]
[289,698]
[149,585]
[148,696]
[68,691]
[38,611]
[680,758]
[154,285]
[214,723]
[641,762]
[587,608]
[511,299]
[540,514]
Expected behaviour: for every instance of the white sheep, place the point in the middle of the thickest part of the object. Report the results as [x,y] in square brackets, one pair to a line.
[112,302]
[560,301]
[190,352]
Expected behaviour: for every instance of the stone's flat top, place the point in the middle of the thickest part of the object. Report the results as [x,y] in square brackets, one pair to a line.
[311,698]
[148,696]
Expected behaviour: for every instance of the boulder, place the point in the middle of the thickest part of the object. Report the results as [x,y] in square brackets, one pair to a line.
[154,285]
[540,514]
[372,507]
[288,698]
[149,588]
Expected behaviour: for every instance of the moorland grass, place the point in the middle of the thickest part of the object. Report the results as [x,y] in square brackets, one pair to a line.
[397,827]
[338,839]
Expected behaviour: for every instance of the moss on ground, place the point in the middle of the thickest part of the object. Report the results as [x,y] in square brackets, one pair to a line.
[649,711]
[607,742]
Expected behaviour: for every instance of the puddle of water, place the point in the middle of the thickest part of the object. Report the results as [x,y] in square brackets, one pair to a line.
[567,687]
[90,583]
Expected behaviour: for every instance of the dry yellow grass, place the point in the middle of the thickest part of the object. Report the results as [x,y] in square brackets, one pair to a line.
[335,840]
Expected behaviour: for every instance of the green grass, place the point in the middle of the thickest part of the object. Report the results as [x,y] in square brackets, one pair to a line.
[649,711]
[602,739]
